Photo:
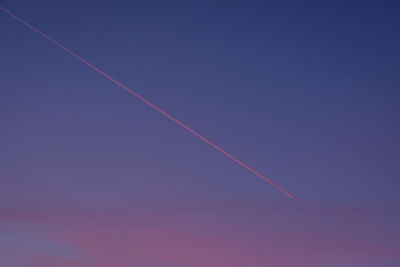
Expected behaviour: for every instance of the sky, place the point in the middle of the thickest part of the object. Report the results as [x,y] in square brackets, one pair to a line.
[305,92]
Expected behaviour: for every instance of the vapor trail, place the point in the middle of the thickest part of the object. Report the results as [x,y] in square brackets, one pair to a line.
[147,102]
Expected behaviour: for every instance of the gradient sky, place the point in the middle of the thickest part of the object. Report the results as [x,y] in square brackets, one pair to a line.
[305,92]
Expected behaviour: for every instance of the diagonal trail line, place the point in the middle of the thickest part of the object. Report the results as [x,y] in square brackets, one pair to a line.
[146,102]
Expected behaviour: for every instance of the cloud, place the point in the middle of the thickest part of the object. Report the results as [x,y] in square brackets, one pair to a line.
[26,246]
[228,234]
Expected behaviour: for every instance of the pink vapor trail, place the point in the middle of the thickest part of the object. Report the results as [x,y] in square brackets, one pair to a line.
[147,102]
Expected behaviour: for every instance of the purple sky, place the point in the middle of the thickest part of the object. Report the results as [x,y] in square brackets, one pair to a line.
[305,92]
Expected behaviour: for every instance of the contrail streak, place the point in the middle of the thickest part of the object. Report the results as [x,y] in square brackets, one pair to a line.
[147,102]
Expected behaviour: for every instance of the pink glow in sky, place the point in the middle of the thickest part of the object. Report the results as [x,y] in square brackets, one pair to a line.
[205,235]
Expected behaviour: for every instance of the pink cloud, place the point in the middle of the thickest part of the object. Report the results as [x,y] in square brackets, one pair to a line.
[190,238]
